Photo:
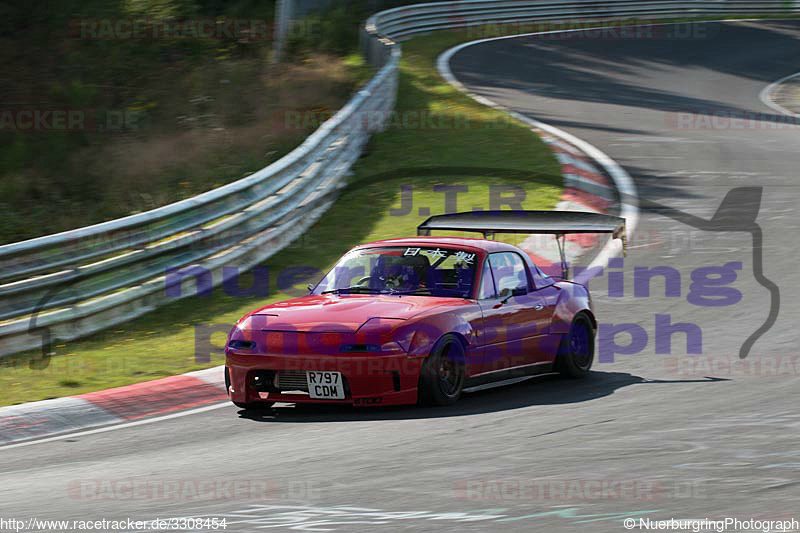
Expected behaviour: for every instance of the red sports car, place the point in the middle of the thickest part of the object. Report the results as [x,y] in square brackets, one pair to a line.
[422,319]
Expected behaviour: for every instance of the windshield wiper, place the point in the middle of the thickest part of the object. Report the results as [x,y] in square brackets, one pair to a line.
[357,288]
[437,292]
[412,291]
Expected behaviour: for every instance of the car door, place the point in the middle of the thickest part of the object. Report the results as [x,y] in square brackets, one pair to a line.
[508,330]
[490,354]
[541,302]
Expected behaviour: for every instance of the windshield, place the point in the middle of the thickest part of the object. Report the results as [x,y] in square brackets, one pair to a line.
[426,271]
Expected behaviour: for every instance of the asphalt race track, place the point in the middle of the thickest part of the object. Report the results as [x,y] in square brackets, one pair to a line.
[692,446]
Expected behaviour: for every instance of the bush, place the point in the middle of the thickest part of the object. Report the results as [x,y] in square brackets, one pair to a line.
[334,30]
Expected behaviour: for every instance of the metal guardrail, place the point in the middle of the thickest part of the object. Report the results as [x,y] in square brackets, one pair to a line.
[75,283]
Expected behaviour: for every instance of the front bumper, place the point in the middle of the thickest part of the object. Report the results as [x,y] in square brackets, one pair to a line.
[369,379]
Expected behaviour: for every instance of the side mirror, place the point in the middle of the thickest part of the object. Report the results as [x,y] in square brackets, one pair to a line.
[310,287]
[519,291]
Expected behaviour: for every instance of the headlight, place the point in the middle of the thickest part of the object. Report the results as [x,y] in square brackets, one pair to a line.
[241,345]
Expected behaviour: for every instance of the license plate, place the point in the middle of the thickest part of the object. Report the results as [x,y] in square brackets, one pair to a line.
[325,385]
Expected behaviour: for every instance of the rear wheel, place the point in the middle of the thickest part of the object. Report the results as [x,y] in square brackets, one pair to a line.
[577,353]
[443,374]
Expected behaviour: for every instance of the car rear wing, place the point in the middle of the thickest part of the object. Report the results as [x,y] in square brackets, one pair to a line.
[557,223]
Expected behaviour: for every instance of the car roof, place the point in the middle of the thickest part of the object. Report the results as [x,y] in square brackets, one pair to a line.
[462,242]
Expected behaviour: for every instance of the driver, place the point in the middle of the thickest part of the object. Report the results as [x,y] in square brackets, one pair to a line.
[407,272]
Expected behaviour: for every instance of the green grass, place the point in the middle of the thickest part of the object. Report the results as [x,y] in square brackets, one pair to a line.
[162,343]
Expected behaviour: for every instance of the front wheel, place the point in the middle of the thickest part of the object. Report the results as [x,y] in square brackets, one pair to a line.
[443,374]
[577,353]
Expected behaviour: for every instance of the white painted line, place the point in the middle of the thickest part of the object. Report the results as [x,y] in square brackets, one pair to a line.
[118,426]
[622,180]
[766,96]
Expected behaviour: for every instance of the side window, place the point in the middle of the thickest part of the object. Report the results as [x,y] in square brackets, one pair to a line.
[486,290]
[509,272]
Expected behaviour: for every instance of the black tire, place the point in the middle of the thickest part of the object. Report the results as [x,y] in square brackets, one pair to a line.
[254,406]
[577,351]
[442,379]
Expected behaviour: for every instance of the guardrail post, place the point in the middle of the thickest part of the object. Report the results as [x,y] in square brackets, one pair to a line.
[284,10]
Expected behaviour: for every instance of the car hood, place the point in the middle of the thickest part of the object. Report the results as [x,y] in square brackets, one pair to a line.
[331,312]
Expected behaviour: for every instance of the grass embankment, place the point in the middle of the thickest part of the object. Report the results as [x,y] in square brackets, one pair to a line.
[471,136]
